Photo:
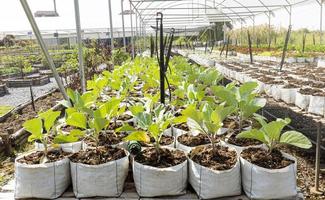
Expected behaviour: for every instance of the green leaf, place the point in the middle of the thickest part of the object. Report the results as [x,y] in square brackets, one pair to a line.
[49,118]
[154,130]
[180,119]
[246,89]
[73,136]
[195,125]
[274,128]
[136,109]
[261,119]
[77,120]
[99,124]
[35,127]
[254,134]
[140,136]
[296,139]
[125,128]
[143,120]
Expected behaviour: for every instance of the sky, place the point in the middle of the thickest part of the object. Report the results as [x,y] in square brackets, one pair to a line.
[94,14]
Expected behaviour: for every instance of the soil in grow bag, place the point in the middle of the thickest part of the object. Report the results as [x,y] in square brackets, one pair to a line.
[232,124]
[242,142]
[313,92]
[221,159]
[36,157]
[193,141]
[67,128]
[263,158]
[164,141]
[182,126]
[124,117]
[167,157]
[98,156]
[107,138]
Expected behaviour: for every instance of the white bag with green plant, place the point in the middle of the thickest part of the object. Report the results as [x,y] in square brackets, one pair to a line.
[261,178]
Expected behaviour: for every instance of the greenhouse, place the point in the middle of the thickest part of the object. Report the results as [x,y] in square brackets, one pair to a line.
[162,99]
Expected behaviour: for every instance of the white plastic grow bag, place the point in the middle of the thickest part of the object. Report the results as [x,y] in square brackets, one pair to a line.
[317,105]
[209,183]
[321,63]
[302,100]
[262,183]
[288,95]
[73,147]
[45,181]
[152,181]
[104,180]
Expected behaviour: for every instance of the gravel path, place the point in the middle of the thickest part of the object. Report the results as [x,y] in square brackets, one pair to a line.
[21,95]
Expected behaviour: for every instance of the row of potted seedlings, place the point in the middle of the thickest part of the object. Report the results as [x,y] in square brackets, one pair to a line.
[208,135]
[303,88]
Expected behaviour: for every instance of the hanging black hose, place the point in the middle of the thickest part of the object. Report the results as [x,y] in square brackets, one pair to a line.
[169,50]
[152,46]
[285,47]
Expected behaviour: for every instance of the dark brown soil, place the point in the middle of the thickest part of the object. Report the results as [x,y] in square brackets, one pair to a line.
[313,92]
[182,126]
[263,158]
[167,157]
[107,138]
[242,142]
[193,141]
[125,117]
[289,86]
[232,124]
[67,128]
[35,158]
[164,141]
[98,156]
[222,159]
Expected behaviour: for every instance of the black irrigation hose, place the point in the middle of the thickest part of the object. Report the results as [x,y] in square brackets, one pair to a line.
[169,88]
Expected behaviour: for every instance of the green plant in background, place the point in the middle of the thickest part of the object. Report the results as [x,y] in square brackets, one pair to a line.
[209,120]
[41,128]
[119,56]
[270,135]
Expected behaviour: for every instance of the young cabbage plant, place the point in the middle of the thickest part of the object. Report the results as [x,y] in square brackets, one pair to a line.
[97,85]
[41,128]
[150,124]
[243,98]
[111,110]
[209,120]
[78,102]
[270,134]
[189,94]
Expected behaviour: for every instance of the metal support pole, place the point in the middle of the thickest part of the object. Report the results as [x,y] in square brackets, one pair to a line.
[136,32]
[269,45]
[111,24]
[132,39]
[79,41]
[321,22]
[290,16]
[123,26]
[43,46]
[315,189]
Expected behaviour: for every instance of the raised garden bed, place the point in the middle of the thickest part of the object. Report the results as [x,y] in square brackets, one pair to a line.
[32,80]
[3,90]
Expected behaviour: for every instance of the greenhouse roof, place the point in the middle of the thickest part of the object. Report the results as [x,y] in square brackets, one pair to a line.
[195,13]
